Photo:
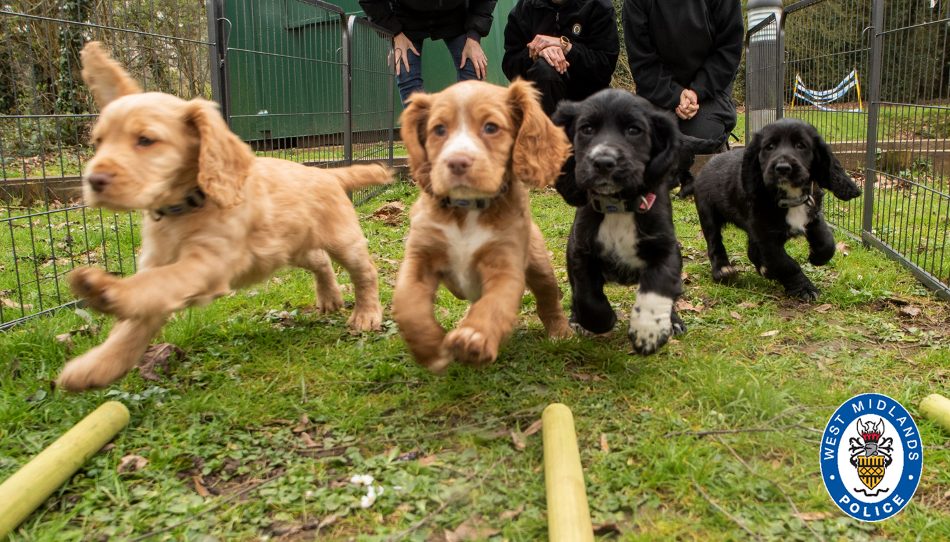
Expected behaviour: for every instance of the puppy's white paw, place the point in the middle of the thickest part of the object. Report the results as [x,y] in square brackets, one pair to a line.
[650,323]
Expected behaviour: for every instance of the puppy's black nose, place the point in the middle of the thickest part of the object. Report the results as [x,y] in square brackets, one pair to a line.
[604,164]
[783,168]
[99,181]
[459,164]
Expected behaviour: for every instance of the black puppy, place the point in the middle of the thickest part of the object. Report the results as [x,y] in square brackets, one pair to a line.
[624,150]
[772,190]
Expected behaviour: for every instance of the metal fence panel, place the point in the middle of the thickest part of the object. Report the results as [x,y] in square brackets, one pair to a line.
[46,113]
[371,104]
[762,61]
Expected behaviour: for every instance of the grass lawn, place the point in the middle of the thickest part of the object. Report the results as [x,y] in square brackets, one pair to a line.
[229,415]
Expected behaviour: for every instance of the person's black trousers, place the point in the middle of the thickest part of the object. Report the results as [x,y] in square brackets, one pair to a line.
[552,85]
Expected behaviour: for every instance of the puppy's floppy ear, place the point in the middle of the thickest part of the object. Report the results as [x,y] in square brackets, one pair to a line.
[414,120]
[106,78]
[540,146]
[565,115]
[223,159]
[665,143]
[751,167]
[827,171]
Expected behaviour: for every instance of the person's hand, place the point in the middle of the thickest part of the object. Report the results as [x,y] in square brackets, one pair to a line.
[473,51]
[540,43]
[402,46]
[555,57]
[689,104]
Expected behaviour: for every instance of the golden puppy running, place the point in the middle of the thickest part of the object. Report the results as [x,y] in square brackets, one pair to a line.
[217,218]
[472,149]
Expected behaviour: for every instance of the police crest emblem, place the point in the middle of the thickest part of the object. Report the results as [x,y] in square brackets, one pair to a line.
[871,457]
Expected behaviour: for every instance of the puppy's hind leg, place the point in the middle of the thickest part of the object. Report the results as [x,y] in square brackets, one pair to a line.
[540,279]
[329,298]
[112,359]
[712,223]
[353,255]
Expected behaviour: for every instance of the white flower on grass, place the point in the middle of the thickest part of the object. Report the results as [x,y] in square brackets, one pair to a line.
[364,479]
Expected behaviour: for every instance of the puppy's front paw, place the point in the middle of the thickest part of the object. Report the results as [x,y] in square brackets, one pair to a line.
[651,325]
[560,330]
[366,319]
[725,273]
[679,328]
[806,292]
[89,372]
[93,285]
[470,346]
[328,303]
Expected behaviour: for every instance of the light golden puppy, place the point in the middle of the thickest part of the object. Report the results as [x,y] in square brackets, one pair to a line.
[217,218]
[472,149]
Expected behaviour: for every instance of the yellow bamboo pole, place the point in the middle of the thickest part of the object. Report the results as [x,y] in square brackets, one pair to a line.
[936,407]
[857,84]
[568,512]
[23,492]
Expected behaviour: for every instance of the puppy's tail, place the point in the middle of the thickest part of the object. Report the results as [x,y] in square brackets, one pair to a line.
[686,185]
[356,177]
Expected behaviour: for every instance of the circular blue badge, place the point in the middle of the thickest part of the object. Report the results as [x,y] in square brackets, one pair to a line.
[871,457]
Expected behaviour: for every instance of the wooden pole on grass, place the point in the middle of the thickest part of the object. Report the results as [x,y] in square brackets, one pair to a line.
[568,512]
[23,492]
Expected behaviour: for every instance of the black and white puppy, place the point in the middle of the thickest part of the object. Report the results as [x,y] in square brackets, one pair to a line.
[773,191]
[624,150]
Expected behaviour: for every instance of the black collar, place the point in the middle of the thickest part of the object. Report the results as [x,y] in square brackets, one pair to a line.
[609,205]
[193,200]
[473,204]
[788,203]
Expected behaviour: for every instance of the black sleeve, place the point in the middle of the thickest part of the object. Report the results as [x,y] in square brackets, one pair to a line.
[479,16]
[597,60]
[517,61]
[379,12]
[654,82]
[721,66]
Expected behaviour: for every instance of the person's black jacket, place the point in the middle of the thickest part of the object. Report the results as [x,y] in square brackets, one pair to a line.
[694,44]
[591,25]
[435,19]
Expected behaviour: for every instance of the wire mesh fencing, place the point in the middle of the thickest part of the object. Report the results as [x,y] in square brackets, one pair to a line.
[370,100]
[762,63]
[872,77]
[46,112]
[278,69]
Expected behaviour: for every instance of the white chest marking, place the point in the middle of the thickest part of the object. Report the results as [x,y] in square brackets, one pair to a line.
[797,217]
[462,244]
[618,236]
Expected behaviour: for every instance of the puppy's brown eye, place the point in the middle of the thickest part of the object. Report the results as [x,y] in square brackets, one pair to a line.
[770,146]
[800,145]
[587,129]
[439,130]
[633,130]
[491,128]
[144,141]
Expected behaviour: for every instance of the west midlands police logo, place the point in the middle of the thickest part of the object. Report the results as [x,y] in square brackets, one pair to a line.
[871,457]
[576,29]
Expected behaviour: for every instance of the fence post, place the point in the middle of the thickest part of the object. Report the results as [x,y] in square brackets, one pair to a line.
[874,98]
[348,30]
[218,29]
[779,67]
[392,102]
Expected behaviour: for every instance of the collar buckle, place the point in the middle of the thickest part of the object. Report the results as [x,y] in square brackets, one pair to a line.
[194,199]
[609,205]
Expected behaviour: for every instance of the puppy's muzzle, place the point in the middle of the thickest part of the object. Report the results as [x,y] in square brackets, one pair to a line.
[100,181]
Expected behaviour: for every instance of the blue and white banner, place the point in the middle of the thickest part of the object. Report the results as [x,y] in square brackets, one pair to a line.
[821,98]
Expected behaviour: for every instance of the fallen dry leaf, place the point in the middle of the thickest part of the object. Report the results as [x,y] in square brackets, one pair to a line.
[107,448]
[911,311]
[390,262]
[843,248]
[511,514]
[604,447]
[814,516]
[735,315]
[327,521]
[823,308]
[585,376]
[473,528]
[533,428]
[302,426]
[772,333]
[390,212]
[131,463]
[199,487]
[308,441]
[683,305]
[747,305]
[14,305]
[159,355]
[519,440]
[685,277]
[428,460]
